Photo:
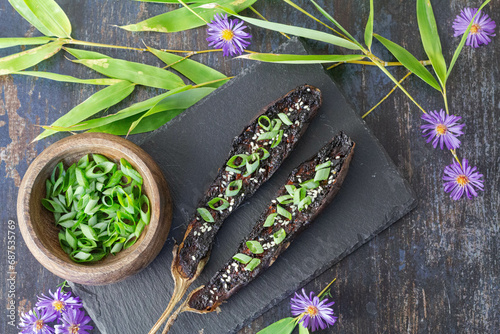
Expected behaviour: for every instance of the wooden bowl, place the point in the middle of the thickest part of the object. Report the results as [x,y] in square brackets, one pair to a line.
[37,223]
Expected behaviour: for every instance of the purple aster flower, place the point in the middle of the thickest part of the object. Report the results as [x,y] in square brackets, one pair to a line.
[37,322]
[442,128]
[314,313]
[58,302]
[459,179]
[228,35]
[74,321]
[481,29]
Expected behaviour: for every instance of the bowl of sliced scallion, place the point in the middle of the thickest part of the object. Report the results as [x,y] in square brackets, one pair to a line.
[94,208]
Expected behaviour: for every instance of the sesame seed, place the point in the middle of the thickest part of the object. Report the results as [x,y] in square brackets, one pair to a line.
[217,297]
[225,286]
[211,292]
[224,275]
[273,201]
[297,122]
[337,157]
[285,135]
[193,257]
[308,89]
[228,279]
[234,264]
[197,218]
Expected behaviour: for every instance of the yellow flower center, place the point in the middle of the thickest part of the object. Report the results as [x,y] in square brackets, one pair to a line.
[74,329]
[227,34]
[39,325]
[58,305]
[462,180]
[474,28]
[312,311]
[441,129]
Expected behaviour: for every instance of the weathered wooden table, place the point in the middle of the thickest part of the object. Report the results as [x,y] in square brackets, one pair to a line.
[436,270]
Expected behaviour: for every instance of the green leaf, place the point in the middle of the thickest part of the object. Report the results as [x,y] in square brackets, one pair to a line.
[68,78]
[409,61]
[133,110]
[141,74]
[369,28]
[331,19]
[283,326]
[301,32]
[193,70]
[463,40]
[302,329]
[51,16]
[176,1]
[255,247]
[22,8]
[430,38]
[300,59]
[22,60]
[84,54]
[14,41]
[182,100]
[101,100]
[183,19]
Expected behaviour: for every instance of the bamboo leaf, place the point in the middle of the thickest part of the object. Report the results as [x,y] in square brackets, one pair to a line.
[409,61]
[141,74]
[193,70]
[463,40]
[22,60]
[175,1]
[300,59]
[67,78]
[430,38]
[22,8]
[84,54]
[133,110]
[283,326]
[9,42]
[51,16]
[302,329]
[182,100]
[149,123]
[331,19]
[369,28]
[183,19]
[301,32]
[101,100]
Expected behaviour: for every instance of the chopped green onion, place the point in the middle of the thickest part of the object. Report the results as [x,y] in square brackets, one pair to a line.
[205,214]
[299,195]
[268,135]
[323,165]
[285,199]
[279,236]
[283,212]
[255,247]
[322,174]
[234,188]
[224,204]
[277,140]
[265,153]
[242,258]
[265,122]
[270,220]
[252,265]
[233,170]
[252,166]
[305,202]
[284,118]
[232,160]
[99,207]
[290,188]
[310,184]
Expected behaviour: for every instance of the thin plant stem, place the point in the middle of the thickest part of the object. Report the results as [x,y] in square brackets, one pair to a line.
[326,288]
[383,63]
[211,82]
[262,17]
[192,11]
[101,45]
[385,97]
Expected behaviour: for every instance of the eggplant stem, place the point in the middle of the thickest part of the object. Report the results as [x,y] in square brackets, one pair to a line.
[181,285]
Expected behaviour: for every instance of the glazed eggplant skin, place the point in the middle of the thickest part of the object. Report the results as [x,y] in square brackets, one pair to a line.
[301,106]
[233,275]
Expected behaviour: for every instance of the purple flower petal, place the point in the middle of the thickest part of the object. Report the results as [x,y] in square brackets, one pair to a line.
[37,322]
[442,129]
[481,29]
[314,313]
[228,35]
[462,179]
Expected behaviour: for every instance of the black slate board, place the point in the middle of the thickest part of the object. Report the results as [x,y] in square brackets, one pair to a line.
[192,147]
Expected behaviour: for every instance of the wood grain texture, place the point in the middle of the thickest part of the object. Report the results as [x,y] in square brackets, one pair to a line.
[37,224]
[436,270]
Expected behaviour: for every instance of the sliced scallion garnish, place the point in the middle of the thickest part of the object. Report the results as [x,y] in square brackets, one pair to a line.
[205,214]
[231,162]
[285,199]
[322,174]
[255,247]
[233,188]
[284,118]
[279,236]
[270,220]
[283,212]
[265,122]
[304,202]
[252,264]
[310,184]
[323,165]
[242,258]
[223,204]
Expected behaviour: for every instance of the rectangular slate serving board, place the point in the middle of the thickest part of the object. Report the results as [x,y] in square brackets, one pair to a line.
[192,147]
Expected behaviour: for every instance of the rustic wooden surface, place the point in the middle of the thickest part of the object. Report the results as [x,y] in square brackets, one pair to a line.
[436,270]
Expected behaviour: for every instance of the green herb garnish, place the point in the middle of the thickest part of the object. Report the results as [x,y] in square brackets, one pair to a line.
[252,265]
[234,188]
[205,214]
[279,236]
[242,258]
[270,220]
[255,247]
[283,212]
[322,174]
[98,205]
[223,204]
